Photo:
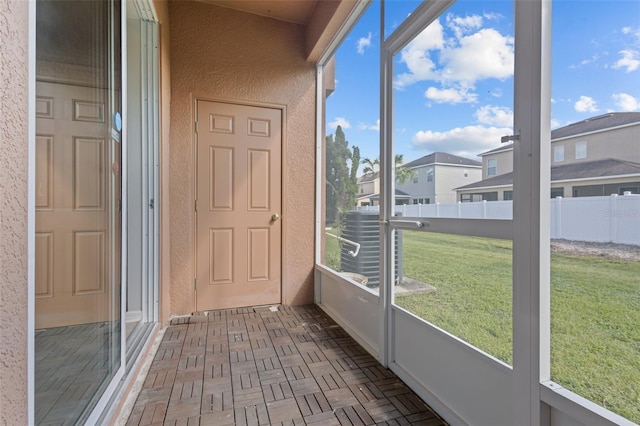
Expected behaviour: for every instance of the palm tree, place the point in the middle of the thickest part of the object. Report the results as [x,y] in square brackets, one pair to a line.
[402,173]
[370,166]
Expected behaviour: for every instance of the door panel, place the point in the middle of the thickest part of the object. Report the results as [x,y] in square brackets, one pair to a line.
[238,231]
[73,241]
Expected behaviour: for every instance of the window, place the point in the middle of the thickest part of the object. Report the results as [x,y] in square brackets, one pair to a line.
[581,150]
[466,173]
[481,196]
[414,179]
[557,192]
[631,189]
[490,196]
[558,153]
[492,166]
[589,191]
[430,174]
[507,195]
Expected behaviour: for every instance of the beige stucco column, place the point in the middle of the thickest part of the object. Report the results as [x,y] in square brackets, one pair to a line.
[14,120]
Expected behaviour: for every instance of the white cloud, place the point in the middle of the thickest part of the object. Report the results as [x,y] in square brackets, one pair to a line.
[495,116]
[593,58]
[463,25]
[473,53]
[586,104]
[626,102]
[554,124]
[451,96]
[363,42]
[630,60]
[416,56]
[374,127]
[466,141]
[496,93]
[631,31]
[339,121]
[492,16]
[484,54]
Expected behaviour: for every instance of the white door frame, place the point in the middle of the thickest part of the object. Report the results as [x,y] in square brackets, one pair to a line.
[146,190]
[150,179]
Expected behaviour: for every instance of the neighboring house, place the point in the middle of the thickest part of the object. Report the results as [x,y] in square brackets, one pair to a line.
[369,191]
[594,157]
[368,185]
[437,175]
[401,198]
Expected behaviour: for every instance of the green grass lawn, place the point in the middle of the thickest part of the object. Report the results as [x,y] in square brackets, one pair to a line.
[595,310]
[332,251]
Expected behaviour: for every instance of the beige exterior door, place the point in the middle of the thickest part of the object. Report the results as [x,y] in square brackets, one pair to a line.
[73,186]
[238,205]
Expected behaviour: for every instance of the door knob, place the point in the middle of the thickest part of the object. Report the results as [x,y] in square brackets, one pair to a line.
[275,217]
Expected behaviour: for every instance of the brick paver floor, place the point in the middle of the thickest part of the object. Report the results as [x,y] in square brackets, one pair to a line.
[255,366]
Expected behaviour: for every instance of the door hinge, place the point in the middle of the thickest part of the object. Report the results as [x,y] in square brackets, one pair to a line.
[195,283]
[196,127]
[151,204]
[196,205]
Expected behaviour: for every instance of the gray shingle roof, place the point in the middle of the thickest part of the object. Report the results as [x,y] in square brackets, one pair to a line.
[600,122]
[399,193]
[368,177]
[589,169]
[367,195]
[442,158]
[498,149]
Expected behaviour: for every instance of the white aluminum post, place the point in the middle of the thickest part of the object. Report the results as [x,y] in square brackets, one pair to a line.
[531,203]
[386,183]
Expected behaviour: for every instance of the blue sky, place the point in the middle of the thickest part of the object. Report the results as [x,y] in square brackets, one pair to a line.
[453,85]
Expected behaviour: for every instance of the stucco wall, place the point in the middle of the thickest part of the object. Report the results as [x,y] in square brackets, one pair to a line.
[225,54]
[503,165]
[447,178]
[13,210]
[618,143]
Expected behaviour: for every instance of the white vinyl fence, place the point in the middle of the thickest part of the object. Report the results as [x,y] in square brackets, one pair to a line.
[613,219]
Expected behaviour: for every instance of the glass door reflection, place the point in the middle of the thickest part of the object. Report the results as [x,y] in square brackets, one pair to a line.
[77,207]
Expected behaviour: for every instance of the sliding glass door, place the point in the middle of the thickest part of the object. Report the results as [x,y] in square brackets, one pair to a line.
[78,207]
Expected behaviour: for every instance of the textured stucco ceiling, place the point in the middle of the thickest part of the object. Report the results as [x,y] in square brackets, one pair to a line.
[297,11]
